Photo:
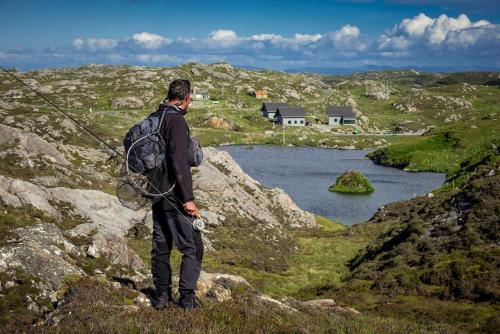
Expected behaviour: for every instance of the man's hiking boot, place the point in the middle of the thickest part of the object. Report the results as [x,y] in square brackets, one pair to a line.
[164,300]
[187,301]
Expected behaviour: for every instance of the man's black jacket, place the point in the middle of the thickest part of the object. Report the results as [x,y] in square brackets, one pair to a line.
[176,134]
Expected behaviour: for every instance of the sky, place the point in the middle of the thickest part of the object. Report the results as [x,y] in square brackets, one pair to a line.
[337,35]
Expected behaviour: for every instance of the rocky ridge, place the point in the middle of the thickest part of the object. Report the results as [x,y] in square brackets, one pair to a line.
[83,232]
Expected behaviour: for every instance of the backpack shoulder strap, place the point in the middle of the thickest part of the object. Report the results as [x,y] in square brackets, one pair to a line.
[165,112]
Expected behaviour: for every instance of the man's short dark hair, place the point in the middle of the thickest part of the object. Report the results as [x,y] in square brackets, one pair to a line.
[179,89]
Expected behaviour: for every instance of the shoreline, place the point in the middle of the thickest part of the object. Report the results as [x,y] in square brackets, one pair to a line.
[247,158]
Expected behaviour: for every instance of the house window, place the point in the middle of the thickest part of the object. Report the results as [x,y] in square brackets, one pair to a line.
[295,122]
[289,122]
[335,120]
[301,121]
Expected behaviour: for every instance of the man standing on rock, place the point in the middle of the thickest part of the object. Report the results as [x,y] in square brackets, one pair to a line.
[173,216]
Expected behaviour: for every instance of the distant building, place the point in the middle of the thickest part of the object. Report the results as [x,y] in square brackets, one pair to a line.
[340,115]
[291,116]
[261,94]
[269,109]
[197,95]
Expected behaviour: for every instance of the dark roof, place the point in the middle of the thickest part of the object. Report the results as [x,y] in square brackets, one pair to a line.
[273,106]
[346,112]
[292,112]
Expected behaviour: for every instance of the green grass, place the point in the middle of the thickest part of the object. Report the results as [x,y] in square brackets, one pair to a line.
[435,153]
[14,302]
[321,258]
[352,182]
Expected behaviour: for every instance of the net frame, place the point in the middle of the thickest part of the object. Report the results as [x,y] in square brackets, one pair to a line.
[133,182]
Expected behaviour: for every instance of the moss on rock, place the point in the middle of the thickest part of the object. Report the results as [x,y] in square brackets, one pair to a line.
[352,182]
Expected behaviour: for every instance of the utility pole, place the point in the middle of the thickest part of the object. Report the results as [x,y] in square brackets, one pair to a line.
[283,126]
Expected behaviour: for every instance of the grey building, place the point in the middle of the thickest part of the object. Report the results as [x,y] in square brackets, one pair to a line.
[291,116]
[340,115]
[269,109]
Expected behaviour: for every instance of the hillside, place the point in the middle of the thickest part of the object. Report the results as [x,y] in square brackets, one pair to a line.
[432,259]
[111,98]
[73,259]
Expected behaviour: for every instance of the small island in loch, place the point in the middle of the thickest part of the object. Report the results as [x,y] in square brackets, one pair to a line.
[352,182]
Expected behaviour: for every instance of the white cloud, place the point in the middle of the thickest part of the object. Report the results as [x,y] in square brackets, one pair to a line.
[150,41]
[265,37]
[95,45]
[424,30]
[307,38]
[223,35]
[420,40]
[345,41]
[346,32]
[415,26]
[222,38]
[479,38]
[78,43]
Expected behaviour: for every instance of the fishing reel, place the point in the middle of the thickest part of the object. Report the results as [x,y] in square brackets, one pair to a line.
[198,223]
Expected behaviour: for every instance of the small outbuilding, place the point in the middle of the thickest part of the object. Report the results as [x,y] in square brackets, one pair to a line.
[197,95]
[291,116]
[338,115]
[261,94]
[269,109]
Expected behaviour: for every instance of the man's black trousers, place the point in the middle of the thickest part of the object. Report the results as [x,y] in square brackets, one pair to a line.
[170,226]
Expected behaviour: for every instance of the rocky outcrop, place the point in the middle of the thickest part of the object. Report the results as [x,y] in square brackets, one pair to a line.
[28,144]
[379,91]
[130,102]
[107,221]
[220,123]
[222,189]
[18,193]
[42,251]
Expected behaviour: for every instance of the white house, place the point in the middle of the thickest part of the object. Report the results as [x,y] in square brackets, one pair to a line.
[340,115]
[269,109]
[291,116]
[197,95]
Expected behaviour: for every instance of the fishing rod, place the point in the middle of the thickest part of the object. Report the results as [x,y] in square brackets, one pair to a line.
[88,131]
[199,223]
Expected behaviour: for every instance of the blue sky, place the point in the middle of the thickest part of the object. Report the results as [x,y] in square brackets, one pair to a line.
[270,34]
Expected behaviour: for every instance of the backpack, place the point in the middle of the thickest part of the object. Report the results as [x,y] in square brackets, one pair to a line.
[143,143]
[195,153]
[145,148]
[142,175]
